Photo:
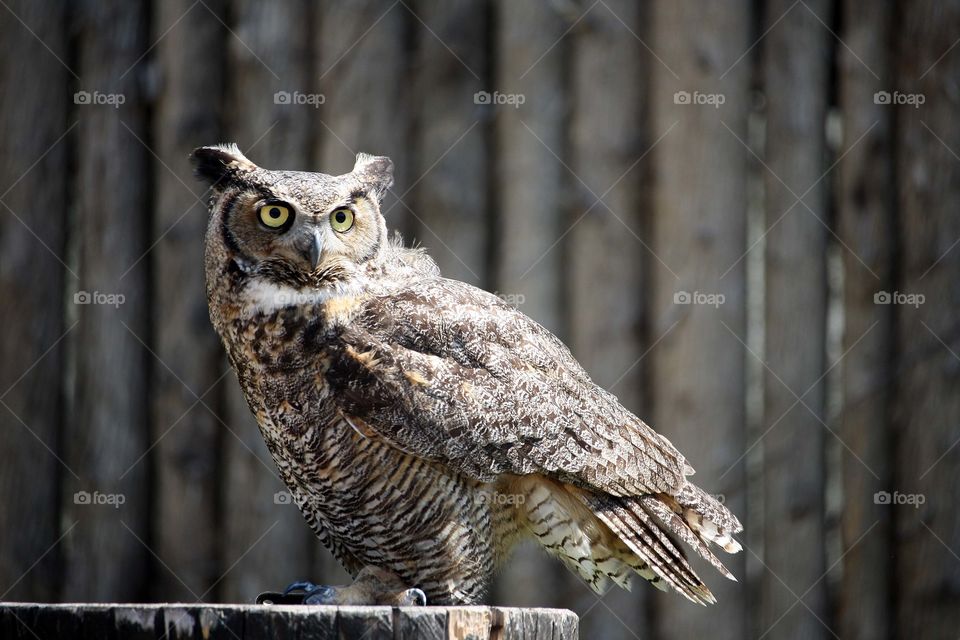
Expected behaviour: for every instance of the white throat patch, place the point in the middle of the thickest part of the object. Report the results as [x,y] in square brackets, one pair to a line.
[262,296]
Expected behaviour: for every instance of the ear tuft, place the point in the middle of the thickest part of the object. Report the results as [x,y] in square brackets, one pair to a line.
[375,173]
[218,163]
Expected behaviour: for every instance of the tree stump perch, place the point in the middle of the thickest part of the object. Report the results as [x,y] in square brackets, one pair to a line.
[255,622]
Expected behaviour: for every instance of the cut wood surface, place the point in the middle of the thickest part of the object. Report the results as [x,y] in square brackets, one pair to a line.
[20,621]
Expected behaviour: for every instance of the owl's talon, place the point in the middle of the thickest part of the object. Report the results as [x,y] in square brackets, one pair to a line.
[413,598]
[295,593]
[372,586]
[321,595]
[303,585]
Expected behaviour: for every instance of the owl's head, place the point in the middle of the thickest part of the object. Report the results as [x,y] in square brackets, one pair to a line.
[290,228]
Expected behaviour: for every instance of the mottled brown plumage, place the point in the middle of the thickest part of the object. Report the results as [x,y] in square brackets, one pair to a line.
[422,425]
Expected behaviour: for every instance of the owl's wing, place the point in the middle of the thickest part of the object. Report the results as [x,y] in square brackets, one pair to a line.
[449,372]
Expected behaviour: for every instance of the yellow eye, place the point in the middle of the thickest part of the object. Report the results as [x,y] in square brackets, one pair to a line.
[341,219]
[275,215]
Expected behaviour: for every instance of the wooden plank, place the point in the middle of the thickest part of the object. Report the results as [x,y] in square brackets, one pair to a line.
[133,623]
[697,273]
[449,205]
[419,623]
[107,558]
[865,199]
[927,414]
[464,623]
[33,217]
[606,253]
[369,623]
[271,110]
[179,623]
[796,69]
[306,622]
[275,134]
[363,50]
[222,622]
[529,215]
[22,621]
[529,180]
[187,368]
[257,622]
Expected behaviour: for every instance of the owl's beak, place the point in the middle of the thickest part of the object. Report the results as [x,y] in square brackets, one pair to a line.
[316,248]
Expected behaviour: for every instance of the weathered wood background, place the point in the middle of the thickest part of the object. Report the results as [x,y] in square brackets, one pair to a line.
[781,166]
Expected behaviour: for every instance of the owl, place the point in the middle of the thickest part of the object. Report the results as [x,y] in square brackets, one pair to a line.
[423,426]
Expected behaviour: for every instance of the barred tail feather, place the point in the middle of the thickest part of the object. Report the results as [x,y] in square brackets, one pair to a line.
[681,529]
[705,515]
[649,526]
[645,538]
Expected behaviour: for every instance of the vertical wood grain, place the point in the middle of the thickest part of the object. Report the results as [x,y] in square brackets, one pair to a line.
[33,217]
[186,430]
[608,142]
[364,53]
[450,201]
[927,416]
[108,428]
[796,64]
[529,140]
[865,203]
[696,367]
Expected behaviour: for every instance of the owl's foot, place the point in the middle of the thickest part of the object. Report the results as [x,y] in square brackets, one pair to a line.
[372,586]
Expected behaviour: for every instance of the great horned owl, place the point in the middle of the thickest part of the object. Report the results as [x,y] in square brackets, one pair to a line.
[422,425]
